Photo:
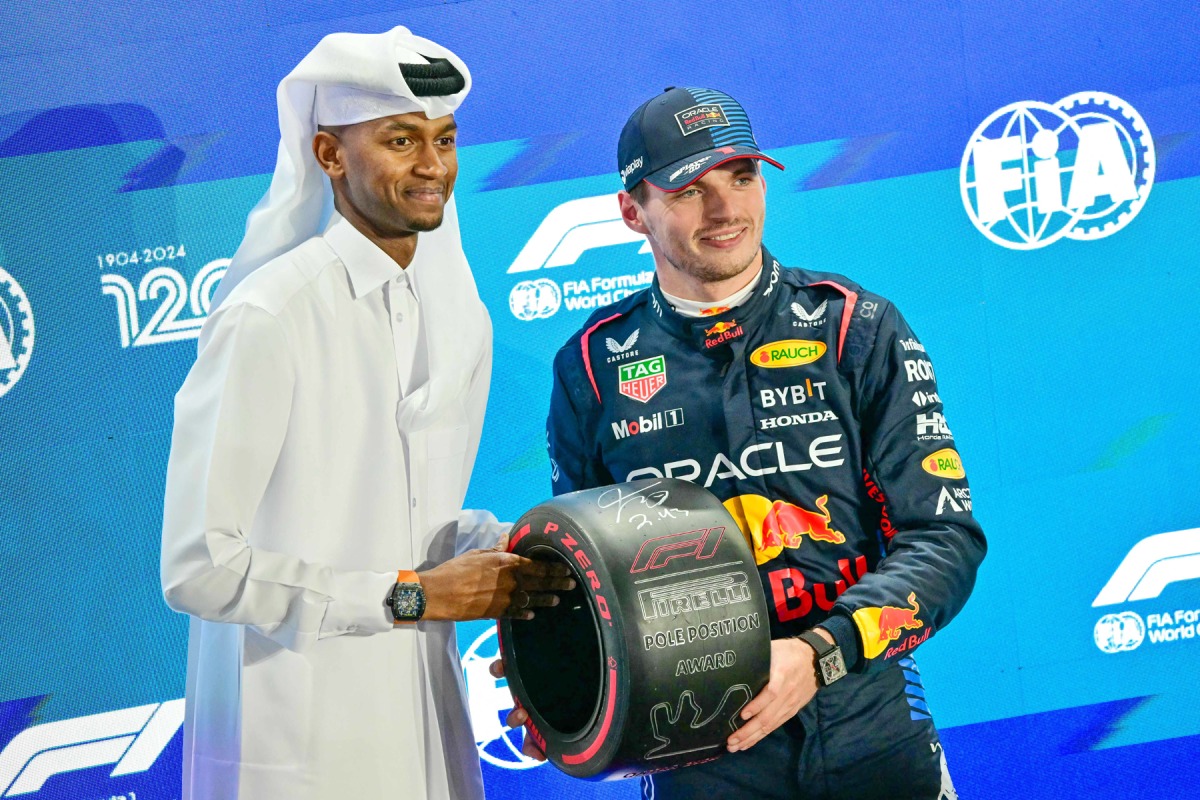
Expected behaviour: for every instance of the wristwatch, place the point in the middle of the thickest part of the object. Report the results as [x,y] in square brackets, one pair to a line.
[407,598]
[830,664]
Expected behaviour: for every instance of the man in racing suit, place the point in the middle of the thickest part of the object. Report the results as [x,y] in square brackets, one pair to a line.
[807,405]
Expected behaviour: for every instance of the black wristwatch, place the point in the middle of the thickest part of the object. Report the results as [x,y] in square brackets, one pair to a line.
[830,664]
[407,598]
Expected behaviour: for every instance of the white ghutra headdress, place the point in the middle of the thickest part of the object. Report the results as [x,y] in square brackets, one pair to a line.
[347,78]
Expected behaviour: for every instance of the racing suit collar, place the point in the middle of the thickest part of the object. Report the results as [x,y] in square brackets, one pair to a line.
[715,334]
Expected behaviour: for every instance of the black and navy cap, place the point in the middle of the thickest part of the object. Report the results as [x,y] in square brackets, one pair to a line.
[673,139]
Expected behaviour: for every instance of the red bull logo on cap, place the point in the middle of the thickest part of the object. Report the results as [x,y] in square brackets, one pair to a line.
[879,626]
[699,117]
[771,525]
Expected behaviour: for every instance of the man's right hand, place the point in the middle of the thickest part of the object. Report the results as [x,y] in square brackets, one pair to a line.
[487,584]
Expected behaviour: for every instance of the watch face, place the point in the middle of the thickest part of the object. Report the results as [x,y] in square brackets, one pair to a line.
[406,603]
[833,667]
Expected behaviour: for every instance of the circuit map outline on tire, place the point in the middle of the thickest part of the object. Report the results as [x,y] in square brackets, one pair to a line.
[645,665]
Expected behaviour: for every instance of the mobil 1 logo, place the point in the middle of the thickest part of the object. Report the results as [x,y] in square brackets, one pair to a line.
[659,420]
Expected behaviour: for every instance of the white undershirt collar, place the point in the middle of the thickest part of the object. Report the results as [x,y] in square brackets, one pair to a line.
[705,308]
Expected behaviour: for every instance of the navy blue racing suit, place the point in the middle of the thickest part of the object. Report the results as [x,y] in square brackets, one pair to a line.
[812,412]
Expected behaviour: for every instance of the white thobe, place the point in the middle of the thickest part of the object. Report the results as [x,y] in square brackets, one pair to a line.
[323,440]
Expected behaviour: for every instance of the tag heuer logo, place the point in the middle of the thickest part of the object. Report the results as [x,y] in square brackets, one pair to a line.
[641,380]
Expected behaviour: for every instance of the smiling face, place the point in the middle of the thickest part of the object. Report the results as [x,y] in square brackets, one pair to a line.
[392,174]
[704,236]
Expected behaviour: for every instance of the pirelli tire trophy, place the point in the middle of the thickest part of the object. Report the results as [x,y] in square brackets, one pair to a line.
[645,665]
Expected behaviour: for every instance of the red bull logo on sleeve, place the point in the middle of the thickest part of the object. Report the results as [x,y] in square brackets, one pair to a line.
[881,626]
[770,526]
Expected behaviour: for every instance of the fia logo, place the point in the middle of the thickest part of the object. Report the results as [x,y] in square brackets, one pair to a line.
[1117,633]
[1034,173]
[535,299]
[16,332]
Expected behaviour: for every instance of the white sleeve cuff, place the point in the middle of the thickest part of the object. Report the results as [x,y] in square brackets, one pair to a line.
[358,605]
[478,530]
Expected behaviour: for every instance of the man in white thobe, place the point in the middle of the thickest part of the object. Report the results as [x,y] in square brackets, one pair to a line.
[322,447]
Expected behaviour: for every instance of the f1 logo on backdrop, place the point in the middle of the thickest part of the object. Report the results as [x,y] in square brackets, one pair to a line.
[567,232]
[570,229]
[1150,566]
[131,738]
[1034,172]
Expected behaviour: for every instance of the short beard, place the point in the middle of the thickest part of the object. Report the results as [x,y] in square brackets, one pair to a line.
[388,222]
[710,273]
[704,271]
[424,225]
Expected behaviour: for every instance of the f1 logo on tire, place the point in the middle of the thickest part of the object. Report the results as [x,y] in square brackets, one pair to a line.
[699,544]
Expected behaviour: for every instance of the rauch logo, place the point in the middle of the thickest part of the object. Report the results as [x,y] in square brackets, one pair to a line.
[787,353]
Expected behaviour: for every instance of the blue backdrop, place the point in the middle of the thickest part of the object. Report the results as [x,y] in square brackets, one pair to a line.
[135,136]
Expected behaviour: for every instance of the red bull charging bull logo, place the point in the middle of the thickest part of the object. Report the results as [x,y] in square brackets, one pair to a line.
[770,526]
[722,332]
[879,626]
